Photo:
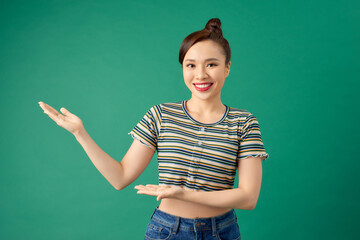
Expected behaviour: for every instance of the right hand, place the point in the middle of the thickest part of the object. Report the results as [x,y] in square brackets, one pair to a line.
[69,121]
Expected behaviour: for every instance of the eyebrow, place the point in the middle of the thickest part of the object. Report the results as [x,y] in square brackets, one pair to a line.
[209,59]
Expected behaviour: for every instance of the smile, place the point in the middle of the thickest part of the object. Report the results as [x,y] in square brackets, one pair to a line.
[202,86]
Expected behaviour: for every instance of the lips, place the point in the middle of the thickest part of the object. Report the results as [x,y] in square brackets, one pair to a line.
[202,83]
[203,86]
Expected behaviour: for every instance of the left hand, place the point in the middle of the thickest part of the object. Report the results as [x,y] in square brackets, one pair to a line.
[161,191]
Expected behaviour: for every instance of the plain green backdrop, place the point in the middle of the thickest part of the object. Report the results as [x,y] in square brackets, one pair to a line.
[295,66]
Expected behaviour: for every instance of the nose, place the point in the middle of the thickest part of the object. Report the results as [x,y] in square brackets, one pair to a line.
[201,73]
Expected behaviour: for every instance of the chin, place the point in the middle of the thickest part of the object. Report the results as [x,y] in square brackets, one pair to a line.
[202,97]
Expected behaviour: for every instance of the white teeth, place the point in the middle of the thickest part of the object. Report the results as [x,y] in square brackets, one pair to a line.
[203,85]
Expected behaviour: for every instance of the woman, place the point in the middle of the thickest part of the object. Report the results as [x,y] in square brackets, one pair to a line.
[200,143]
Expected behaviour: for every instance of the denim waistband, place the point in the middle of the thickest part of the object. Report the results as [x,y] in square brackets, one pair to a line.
[194,224]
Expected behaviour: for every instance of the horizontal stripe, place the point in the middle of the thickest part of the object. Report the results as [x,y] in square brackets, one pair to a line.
[196,155]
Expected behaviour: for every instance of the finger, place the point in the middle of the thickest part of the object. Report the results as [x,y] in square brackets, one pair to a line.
[57,118]
[51,110]
[53,114]
[41,104]
[65,112]
[150,193]
[52,117]
[152,189]
[45,106]
[144,188]
[152,185]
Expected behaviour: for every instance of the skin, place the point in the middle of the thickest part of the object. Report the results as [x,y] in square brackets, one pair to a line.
[205,107]
[67,120]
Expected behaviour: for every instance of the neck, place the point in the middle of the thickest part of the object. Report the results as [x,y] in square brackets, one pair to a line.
[205,107]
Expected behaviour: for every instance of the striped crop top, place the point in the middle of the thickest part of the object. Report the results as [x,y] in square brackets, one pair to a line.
[196,155]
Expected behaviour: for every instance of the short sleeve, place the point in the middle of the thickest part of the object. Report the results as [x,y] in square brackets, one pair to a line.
[148,129]
[250,142]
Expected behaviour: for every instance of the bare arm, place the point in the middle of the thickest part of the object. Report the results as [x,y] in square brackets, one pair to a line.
[243,197]
[119,174]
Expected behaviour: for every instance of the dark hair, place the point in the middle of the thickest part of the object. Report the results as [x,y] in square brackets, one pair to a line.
[211,31]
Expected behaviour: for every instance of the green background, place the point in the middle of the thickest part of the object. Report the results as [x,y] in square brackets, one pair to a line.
[295,66]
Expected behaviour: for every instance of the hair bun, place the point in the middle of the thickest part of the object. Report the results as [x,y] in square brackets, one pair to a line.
[213,32]
[214,25]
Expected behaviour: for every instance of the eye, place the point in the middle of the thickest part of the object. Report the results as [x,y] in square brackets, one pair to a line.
[192,65]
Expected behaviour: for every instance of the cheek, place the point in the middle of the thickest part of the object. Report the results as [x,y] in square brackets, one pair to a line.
[221,76]
[187,76]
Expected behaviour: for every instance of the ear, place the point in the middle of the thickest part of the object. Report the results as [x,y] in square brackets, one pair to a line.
[227,68]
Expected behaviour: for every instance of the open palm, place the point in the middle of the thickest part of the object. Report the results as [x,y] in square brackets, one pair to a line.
[68,121]
[160,191]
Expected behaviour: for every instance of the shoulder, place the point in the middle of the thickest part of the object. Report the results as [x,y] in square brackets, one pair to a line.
[159,109]
[239,114]
[244,118]
[168,106]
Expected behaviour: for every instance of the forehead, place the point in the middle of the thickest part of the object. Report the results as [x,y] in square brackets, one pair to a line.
[203,50]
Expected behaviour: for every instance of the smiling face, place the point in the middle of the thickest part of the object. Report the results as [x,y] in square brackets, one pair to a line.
[204,70]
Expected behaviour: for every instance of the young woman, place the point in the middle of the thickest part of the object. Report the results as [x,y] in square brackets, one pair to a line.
[200,144]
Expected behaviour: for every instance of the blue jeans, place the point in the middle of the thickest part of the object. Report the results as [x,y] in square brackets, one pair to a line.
[166,226]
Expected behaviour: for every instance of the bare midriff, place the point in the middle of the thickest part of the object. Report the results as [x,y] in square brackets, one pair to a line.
[186,209]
